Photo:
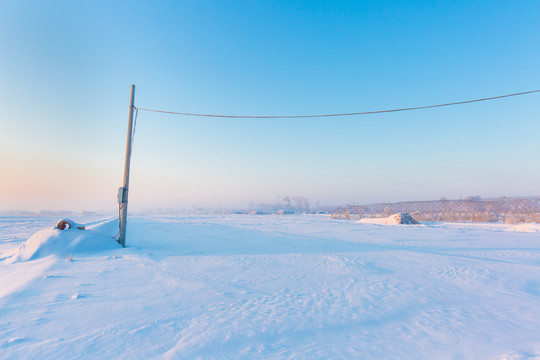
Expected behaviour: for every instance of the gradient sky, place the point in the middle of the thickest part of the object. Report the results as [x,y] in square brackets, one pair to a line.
[66,69]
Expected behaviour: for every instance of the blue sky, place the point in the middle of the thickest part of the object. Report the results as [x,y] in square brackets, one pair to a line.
[66,68]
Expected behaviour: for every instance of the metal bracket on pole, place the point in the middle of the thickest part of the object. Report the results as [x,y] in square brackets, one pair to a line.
[123,197]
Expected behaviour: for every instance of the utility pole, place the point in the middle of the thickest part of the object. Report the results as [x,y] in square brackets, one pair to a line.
[123,191]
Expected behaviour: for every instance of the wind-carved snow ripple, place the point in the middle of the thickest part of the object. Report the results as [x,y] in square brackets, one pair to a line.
[333,295]
[463,275]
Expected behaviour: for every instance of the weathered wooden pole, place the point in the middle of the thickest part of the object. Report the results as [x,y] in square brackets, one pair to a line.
[123,191]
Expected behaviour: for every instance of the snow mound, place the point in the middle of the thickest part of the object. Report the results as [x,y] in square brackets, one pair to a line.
[528,228]
[66,243]
[396,219]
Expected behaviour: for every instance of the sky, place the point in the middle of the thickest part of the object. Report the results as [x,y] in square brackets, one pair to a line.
[66,68]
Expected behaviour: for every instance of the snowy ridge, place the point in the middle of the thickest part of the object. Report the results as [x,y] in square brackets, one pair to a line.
[396,219]
[67,242]
[528,228]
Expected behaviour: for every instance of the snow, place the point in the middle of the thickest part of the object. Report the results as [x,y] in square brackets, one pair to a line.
[67,242]
[17,276]
[272,287]
[529,228]
[396,219]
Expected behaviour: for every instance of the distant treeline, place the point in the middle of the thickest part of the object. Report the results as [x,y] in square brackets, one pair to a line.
[471,209]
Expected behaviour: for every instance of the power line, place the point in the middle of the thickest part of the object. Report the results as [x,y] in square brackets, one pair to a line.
[336,115]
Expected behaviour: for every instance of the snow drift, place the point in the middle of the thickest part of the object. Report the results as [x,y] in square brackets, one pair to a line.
[67,242]
[396,219]
[527,228]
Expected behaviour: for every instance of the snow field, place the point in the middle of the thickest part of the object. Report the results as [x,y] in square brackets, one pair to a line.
[292,287]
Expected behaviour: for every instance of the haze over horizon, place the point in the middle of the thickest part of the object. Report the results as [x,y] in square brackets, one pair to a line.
[67,68]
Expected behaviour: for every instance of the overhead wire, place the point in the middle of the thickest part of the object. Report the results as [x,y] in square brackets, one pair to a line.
[338,114]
